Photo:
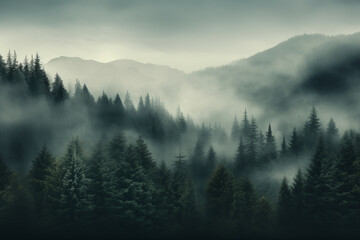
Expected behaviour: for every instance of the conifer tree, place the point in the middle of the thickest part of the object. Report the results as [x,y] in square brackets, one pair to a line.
[297,193]
[245,126]
[58,92]
[219,194]
[128,104]
[270,144]
[240,158]
[74,194]
[244,204]
[251,146]
[144,156]
[332,136]
[42,167]
[294,144]
[210,161]
[312,128]
[284,205]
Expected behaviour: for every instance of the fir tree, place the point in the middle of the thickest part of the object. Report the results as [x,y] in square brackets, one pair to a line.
[219,194]
[284,205]
[41,169]
[312,128]
[144,156]
[240,158]
[58,92]
[245,126]
[74,194]
[270,144]
[294,144]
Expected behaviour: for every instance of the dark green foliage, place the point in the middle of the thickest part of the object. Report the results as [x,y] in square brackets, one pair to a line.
[244,205]
[39,84]
[240,158]
[41,169]
[75,197]
[58,92]
[251,145]
[245,126]
[144,156]
[297,191]
[210,162]
[5,175]
[219,194]
[284,205]
[312,129]
[294,144]
[270,144]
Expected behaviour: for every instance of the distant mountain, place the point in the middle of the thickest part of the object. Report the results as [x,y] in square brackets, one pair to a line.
[117,76]
[289,78]
[280,83]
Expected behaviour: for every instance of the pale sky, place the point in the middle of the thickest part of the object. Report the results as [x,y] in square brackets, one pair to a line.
[188,34]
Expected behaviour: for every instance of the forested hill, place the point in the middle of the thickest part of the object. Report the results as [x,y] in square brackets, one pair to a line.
[74,166]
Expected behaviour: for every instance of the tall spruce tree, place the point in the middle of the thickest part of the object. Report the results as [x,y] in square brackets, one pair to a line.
[58,92]
[74,200]
[42,167]
[270,144]
[284,205]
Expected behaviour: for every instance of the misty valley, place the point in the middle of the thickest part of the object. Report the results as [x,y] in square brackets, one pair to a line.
[263,162]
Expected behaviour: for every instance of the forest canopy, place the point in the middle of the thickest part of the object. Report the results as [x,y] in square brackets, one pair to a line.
[70,163]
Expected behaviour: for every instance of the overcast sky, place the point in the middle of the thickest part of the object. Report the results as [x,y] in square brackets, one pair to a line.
[187,34]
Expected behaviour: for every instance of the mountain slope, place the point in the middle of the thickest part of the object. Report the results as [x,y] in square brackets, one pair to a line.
[115,77]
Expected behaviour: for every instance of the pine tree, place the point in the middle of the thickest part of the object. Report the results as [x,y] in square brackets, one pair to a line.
[210,161]
[284,205]
[41,169]
[147,103]
[332,136]
[312,128]
[95,173]
[2,70]
[294,144]
[58,92]
[144,156]
[244,205]
[135,194]
[314,187]
[240,158]
[119,109]
[264,217]
[251,146]
[235,130]
[297,192]
[270,144]
[180,121]
[283,151]
[197,161]
[39,84]
[219,194]
[245,126]
[188,210]
[128,104]
[86,96]
[141,106]
[74,194]
[116,148]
